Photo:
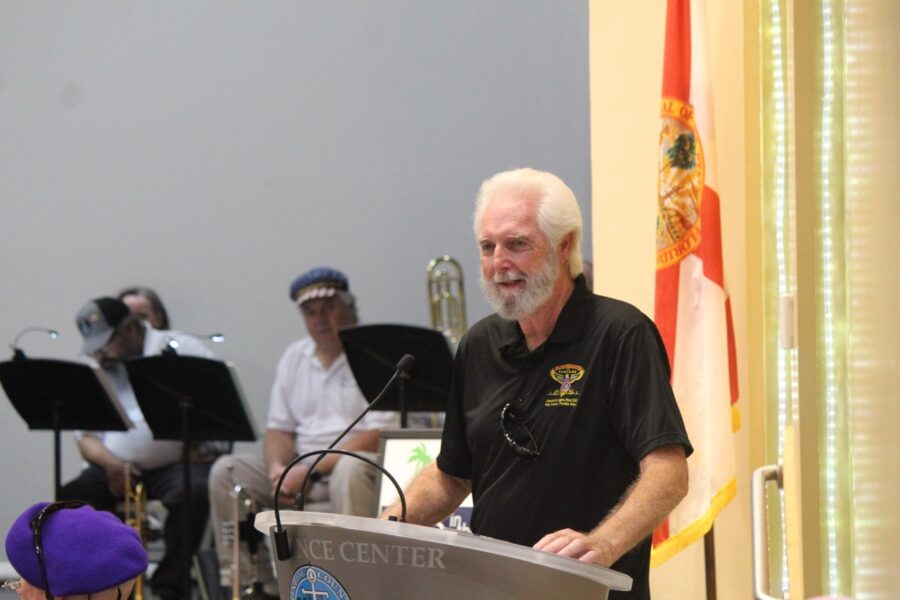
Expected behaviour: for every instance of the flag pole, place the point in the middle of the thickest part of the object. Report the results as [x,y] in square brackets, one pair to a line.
[709,556]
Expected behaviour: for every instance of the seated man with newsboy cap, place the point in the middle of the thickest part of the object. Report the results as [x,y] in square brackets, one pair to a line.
[113,334]
[314,398]
[69,550]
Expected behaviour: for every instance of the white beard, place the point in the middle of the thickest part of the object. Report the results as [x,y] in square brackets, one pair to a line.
[516,305]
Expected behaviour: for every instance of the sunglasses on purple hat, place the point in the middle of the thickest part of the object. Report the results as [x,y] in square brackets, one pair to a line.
[37,524]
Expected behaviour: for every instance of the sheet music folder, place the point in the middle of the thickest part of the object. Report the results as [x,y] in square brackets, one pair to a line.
[218,410]
[373,351]
[81,393]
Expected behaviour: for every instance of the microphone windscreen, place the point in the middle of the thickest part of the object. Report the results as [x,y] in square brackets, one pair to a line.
[406,363]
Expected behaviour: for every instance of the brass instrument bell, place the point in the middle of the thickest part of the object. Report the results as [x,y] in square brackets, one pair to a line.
[447,298]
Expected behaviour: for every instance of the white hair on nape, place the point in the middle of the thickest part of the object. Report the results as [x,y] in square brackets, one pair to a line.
[558,213]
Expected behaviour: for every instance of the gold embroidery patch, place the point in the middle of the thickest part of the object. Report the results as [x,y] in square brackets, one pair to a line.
[565,375]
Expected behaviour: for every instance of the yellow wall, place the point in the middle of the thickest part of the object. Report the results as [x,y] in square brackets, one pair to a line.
[626,52]
[872,138]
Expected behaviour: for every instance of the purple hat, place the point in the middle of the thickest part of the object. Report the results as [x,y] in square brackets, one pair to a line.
[321,282]
[97,321]
[85,550]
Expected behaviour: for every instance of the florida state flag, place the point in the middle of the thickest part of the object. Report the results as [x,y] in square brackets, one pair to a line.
[692,310]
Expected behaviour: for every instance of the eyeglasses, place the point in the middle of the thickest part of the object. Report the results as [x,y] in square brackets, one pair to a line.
[529,448]
[37,524]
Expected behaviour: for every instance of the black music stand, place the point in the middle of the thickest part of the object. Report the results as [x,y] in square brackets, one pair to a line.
[373,351]
[190,398]
[59,395]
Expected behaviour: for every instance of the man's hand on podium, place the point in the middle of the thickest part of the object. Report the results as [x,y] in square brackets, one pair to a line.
[568,542]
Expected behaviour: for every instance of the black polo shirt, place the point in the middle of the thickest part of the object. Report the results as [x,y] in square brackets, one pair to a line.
[596,398]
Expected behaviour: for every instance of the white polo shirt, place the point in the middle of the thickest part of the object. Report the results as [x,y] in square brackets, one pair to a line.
[317,404]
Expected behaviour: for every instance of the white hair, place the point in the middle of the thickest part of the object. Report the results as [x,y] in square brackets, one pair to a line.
[558,213]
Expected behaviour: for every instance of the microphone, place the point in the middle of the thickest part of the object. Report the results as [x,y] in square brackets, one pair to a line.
[282,547]
[405,364]
[17,352]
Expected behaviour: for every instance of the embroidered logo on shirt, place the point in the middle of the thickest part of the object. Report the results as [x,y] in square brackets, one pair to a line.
[566,375]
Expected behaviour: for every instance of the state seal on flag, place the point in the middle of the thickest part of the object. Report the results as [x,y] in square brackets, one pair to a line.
[680,187]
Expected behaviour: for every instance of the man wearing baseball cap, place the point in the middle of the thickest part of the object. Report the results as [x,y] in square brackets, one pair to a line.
[69,550]
[112,334]
[314,398]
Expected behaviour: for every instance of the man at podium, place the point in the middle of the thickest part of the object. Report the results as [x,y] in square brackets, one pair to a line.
[111,335]
[561,421]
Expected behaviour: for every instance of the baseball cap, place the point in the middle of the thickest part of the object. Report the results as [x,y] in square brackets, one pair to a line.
[97,321]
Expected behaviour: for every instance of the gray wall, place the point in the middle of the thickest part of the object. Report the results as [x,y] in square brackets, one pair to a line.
[214,150]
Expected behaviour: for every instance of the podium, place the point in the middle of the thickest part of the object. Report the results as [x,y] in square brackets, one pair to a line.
[341,556]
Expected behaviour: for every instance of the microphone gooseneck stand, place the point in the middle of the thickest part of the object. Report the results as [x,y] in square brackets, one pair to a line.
[282,546]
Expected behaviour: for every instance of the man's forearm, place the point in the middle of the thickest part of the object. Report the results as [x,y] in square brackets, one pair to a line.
[431,497]
[278,448]
[661,485]
[93,451]
[365,441]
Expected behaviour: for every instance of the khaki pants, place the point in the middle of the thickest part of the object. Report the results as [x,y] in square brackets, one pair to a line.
[349,489]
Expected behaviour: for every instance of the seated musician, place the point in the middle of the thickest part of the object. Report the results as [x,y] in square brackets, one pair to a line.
[314,398]
[111,335]
[146,304]
[69,550]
